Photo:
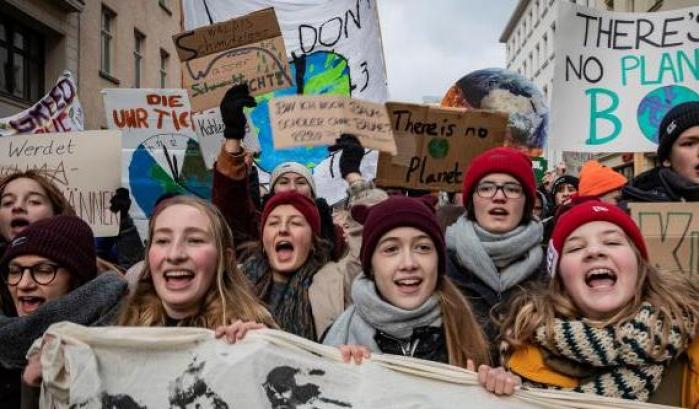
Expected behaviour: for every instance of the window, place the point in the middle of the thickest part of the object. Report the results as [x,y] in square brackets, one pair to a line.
[545,48]
[138,39]
[164,59]
[21,61]
[107,38]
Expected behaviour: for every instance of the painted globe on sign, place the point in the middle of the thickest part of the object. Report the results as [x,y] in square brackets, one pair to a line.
[657,103]
[506,91]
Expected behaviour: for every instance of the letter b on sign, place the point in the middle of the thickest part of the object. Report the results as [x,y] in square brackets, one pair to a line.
[598,114]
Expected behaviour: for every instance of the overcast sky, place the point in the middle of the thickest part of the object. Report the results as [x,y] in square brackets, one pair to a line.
[430,44]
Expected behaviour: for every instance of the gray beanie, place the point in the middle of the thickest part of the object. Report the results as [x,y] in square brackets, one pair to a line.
[294,167]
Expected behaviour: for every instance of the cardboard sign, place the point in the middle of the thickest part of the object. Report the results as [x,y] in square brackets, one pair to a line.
[671,231]
[616,75]
[209,128]
[85,165]
[58,111]
[319,120]
[248,49]
[435,145]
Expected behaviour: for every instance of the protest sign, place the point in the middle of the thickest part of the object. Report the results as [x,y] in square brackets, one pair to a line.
[149,368]
[319,120]
[338,48]
[160,151]
[540,166]
[435,145]
[58,111]
[671,231]
[209,128]
[85,166]
[617,74]
[245,50]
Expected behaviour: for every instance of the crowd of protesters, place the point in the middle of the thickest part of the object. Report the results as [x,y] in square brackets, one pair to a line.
[546,286]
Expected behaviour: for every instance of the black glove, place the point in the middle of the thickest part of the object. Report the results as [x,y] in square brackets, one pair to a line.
[352,153]
[232,114]
[120,202]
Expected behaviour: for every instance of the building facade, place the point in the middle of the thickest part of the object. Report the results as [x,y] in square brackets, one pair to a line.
[528,38]
[105,44]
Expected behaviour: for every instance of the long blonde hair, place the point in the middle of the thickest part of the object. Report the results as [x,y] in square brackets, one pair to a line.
[672,295]
[230,299]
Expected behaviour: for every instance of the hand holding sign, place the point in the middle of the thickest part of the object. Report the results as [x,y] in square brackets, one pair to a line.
[352,153]
[237,98]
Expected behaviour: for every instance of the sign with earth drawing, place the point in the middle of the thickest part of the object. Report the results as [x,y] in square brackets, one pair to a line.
[617,74]
[435,145]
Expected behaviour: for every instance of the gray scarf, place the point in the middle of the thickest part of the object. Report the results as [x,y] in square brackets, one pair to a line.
[501,261]
[369,313]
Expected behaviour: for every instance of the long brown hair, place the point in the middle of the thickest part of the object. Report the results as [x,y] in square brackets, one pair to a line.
[229,299]
[465,337]
[672,295]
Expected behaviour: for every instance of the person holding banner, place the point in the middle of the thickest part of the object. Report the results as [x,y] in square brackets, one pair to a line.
[190,275]
[607,323]
[50,271]
[404,304]
[677,178]
[495,248]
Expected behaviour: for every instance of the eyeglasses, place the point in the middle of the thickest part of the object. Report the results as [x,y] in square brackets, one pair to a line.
[488,190]
[41,273]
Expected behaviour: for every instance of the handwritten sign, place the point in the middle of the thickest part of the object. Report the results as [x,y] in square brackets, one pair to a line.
[247,49]
[84,165]
[160,151]
[435,145]
[209,128]
[671,231]
[319,120]
[617,74]
[58,111]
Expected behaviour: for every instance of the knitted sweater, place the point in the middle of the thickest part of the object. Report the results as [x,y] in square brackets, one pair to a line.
[627,361]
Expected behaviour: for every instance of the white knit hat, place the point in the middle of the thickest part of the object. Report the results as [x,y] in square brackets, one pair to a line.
[294,167]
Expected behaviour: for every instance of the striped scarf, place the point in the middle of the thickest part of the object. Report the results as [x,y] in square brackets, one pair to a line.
[629,359]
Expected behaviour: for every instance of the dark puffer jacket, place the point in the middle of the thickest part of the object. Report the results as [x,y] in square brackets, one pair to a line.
[660,185]
[426,343]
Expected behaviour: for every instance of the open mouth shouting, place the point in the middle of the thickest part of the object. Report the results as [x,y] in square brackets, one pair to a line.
[499,213]
[26,304]
[18,224]
[408,285]
[284,251]
[600,278]
[178,279]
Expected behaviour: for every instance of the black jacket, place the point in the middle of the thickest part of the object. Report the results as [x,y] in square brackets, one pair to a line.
[484,299]
[427,343]
[660,185]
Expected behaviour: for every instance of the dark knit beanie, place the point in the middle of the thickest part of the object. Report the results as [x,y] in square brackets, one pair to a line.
[303,204]
[564,180]
[394,212]
[67,240]
[677,120]
[502,160]
[590,210]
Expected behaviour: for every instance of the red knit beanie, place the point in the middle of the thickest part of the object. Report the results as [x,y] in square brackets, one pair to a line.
[66,240]
[591,210]
[501,160]
[303,204]
[394,212]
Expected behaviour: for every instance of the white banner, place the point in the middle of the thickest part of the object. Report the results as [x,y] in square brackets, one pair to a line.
[617,74]
[338,45]
[160,151]
[58,111]
[153,368]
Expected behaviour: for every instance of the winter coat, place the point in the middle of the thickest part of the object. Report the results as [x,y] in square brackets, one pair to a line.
[94,303]
[427,343]
[484,299]
[232,194]
[656,185]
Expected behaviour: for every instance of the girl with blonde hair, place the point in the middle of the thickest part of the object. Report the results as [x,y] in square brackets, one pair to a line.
[607,323]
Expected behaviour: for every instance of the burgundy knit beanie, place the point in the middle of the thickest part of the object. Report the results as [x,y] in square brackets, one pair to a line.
[67,240]
[394,212]
[591,210]
[303,204]
[501,160]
